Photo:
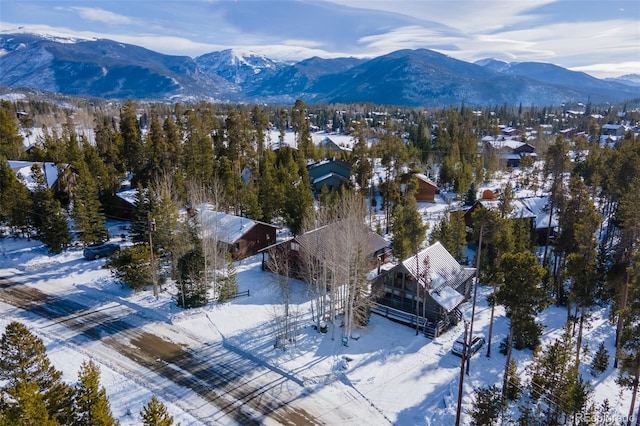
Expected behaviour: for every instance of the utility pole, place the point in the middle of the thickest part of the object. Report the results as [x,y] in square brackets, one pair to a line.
[152,229]
[461,379]
[475,292]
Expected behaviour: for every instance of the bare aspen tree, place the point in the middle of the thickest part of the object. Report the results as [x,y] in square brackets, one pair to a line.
[314,265]
[279,263]
[333,255]
[353,240]
[205,202]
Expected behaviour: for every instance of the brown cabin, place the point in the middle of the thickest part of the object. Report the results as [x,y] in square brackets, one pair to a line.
[320,239]
[425,289]
[427,189]
[243,237]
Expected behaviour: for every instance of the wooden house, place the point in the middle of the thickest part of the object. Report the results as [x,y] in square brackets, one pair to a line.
[534,210]
[58,177]
[243,237]
[427,189]
[612,130]
[330,173]
[509,151]
[330,147]
[121,205]
[425,289]
[320,240]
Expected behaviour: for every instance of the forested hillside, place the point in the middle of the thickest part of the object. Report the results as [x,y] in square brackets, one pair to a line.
[237,158]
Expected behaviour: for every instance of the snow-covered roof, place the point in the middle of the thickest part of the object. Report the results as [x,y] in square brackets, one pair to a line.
[345,142]
[272,139]
[529,207]
[128,195]
[23,169]
[327,176]
[503,142]
[321,237]
[444,269]
[447,297]
[223,227]
[424,178]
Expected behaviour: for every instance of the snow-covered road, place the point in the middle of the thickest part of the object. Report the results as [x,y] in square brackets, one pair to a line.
[213,384]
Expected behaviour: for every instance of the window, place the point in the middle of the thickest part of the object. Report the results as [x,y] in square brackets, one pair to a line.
[237,246]
[267,237]
[295,246]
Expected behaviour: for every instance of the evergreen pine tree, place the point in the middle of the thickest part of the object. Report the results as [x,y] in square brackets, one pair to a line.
[487,406]
[269,196]
[513,382]
[132,148]
[87,211]
[521,295]
[27,407]
[10,140]
[228,285]
[164,210]
[605,415]
[556,383]
[27,373]
[141,215]
[192,282]
[154,413]
[408,230]
[91,402]
[48,216]
[131,266]
[298,198]
[251,205]
[15,199]
[471,197]
[527,416]
[629,352]
[600,361]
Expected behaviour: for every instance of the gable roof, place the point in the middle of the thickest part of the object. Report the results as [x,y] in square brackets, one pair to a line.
[529,207]
[327,176]
[223,227]
[443,267]
[334,161]
[424,178]
[323,234]
[23,169]
[445,274]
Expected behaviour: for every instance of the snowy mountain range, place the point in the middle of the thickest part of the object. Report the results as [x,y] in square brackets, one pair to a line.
[107,69]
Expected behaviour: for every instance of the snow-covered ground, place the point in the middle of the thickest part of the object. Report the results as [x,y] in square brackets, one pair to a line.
[405,379]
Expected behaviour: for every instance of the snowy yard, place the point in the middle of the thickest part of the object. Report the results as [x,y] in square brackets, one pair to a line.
[386,374]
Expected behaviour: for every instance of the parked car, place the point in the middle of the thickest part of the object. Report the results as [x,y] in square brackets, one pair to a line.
[476,344]
[96,251]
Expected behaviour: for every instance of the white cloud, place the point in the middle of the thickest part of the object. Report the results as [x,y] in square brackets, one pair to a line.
[411,37]
[469,16]
[303,43]
[464,29]
[610,69]
[101,15]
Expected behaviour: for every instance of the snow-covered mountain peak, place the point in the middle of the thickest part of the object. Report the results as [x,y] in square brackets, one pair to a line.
[57,37]
[495,64]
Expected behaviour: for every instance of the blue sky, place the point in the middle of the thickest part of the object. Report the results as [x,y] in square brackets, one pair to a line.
[600,37]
